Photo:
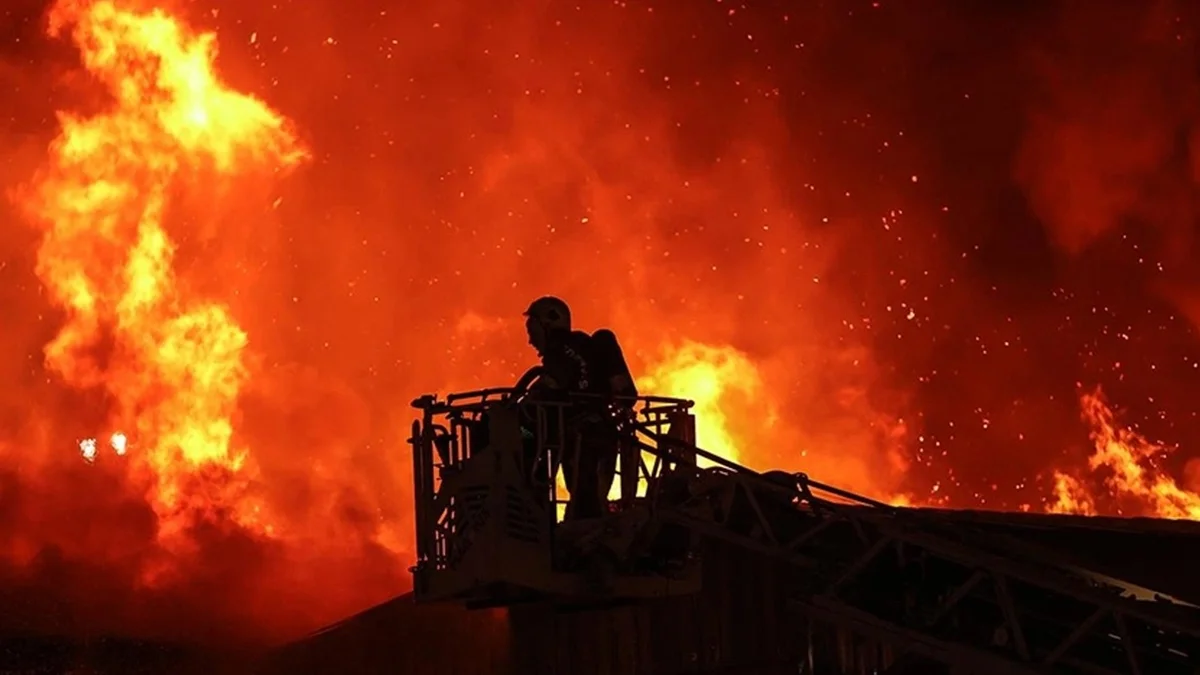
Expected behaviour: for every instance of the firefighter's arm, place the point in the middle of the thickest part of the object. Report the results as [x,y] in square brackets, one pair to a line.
[530,378]
[546,381]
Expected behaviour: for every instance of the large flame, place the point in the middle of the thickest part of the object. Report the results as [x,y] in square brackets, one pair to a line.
[1128,474]
[714,378]
[171,360]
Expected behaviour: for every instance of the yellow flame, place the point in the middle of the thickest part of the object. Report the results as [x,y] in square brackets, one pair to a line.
[1127,464]
[172,361]
[708,375]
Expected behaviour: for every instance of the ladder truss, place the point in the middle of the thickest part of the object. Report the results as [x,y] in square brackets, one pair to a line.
[953,594]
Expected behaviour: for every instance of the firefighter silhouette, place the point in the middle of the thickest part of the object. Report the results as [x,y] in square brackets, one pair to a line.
[589,373]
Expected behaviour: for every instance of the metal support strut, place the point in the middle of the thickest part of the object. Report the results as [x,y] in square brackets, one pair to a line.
[954,594]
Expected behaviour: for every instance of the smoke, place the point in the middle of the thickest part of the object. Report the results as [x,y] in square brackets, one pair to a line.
[1112,149]
[477,161]
[768,206]
[1109,163]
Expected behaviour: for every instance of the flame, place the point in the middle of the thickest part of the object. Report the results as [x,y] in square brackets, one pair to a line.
[172,360]
[727,284]
[1128,466]
[719,379]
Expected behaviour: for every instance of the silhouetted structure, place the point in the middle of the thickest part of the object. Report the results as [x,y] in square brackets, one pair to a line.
[725,570]
[703,566]
[739,623]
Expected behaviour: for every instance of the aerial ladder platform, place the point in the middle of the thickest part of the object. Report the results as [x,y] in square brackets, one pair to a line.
[951,596]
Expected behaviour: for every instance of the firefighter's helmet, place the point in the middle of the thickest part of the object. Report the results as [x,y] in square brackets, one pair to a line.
[550,313]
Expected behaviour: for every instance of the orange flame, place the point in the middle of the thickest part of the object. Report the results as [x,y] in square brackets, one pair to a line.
[712,377]
[737,418]
[1128,465]
[172,361]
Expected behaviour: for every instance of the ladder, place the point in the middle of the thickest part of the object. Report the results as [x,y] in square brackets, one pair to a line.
[955,595]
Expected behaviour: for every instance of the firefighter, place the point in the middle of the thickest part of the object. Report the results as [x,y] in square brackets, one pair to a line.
[567,355]
[572,364]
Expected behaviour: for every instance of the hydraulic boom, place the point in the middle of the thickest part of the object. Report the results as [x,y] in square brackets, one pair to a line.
[488,533]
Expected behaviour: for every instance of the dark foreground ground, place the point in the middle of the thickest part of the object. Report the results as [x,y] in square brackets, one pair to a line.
[397,636]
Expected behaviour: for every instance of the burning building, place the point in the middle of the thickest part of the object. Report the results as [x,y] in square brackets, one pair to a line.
[898,248]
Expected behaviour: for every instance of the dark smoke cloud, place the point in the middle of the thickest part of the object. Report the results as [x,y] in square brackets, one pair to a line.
[1109,163]
[1111,143]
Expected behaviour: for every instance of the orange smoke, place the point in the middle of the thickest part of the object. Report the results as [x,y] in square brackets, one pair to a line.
[211,435]
[273,474]
[1110,159]
[1103,146]
[205,424]
[1108,162]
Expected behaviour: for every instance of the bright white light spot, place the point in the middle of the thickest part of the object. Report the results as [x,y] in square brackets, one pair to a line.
[119,443]
[88,448]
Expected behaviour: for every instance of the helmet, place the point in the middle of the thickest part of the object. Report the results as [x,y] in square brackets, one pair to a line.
[550,313]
